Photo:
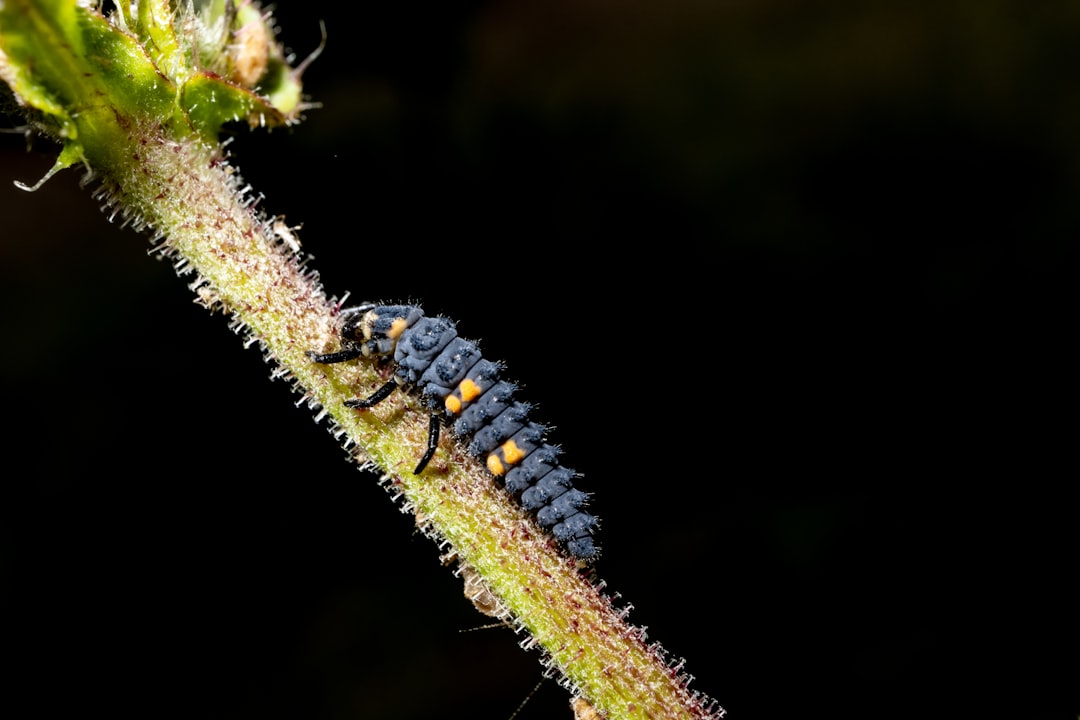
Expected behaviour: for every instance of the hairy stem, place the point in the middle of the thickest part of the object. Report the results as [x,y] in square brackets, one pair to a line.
[161,169]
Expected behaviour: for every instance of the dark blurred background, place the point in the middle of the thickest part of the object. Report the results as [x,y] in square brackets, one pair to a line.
[794,281]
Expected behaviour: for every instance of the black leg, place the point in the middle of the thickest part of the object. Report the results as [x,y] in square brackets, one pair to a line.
[432,444]
[334,357]
[375,398]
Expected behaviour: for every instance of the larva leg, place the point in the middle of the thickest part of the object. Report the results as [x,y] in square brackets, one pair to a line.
[334,357]
[375,398]
[432,443]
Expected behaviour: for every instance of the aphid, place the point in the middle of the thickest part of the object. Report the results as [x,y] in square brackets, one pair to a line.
[480,595]
[583,710]
[462,389]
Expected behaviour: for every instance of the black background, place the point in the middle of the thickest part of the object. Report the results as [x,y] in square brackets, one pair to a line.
[794,281]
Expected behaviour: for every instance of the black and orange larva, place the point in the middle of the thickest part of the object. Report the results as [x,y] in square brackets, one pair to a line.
[464,390]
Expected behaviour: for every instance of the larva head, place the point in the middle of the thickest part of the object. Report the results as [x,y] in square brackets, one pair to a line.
[375,329]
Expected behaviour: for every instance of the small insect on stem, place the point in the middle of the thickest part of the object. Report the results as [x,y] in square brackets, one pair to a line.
[461,389]
[583,710]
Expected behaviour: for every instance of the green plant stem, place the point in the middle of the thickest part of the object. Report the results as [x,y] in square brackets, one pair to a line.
[161,174]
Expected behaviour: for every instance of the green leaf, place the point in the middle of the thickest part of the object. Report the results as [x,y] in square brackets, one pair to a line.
[89,78]
[211,101]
